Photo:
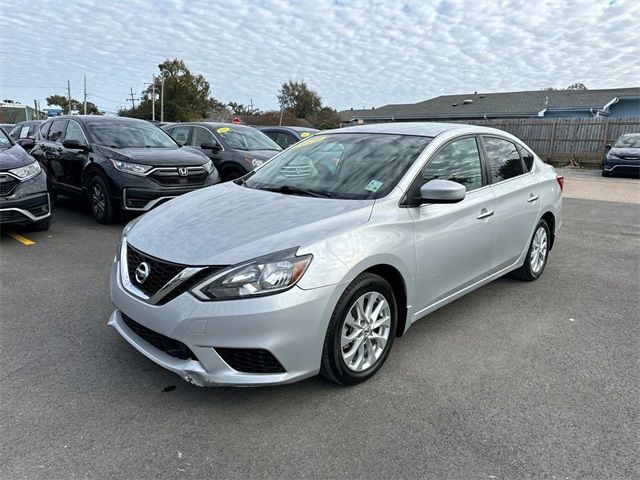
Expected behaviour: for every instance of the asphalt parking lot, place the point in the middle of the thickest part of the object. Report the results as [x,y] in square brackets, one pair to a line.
[515,380]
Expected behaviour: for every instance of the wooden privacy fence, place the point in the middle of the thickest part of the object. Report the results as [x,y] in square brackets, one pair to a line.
[564,140]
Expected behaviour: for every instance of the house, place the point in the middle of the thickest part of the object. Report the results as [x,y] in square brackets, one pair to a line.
[613,102]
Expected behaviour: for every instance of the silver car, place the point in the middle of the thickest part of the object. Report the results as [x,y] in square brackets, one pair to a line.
[316,261]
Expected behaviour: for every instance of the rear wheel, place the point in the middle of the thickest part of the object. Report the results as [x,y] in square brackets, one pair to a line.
[361,331]
[103,208]
[537,255]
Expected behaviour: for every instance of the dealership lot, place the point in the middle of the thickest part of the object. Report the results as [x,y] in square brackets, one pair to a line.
[514,380]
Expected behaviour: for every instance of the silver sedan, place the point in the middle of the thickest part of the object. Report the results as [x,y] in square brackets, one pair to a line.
[316,261]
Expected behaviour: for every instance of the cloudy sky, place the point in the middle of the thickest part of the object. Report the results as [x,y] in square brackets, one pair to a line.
[353,53]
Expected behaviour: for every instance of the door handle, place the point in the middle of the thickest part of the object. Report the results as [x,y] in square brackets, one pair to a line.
[533,198]
[484,213]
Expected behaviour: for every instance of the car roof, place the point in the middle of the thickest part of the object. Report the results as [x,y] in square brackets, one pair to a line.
[98,118]
[210,124]
[286,127]
[425,129]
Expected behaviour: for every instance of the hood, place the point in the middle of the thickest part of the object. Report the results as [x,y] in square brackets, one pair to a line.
[14,157]
[625,152]
[228,224]
[158,157]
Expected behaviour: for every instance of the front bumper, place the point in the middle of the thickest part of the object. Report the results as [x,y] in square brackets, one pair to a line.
[290,325]
[28,202]
[622,166]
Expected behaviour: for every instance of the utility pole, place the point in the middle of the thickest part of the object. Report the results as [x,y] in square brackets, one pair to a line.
[69,95]
[85,95]
[35,107]
[153,98]
[133,100]
[162,100]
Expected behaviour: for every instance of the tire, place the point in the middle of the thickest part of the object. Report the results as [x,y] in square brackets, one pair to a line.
[534,264]
[231,174]
[605,174]
[103,208]
[353,364]
[41,226]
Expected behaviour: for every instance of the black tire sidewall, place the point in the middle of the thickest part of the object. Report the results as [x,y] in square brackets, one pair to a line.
[365,285]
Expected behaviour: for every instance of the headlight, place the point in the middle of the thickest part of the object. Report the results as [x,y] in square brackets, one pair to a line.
[129,167]
[611,156]
[254,161]
[262,276]
[27,172]
[208,166]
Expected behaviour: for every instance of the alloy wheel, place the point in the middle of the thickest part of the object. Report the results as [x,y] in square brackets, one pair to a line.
[538,253]
[365,331]
[98,200]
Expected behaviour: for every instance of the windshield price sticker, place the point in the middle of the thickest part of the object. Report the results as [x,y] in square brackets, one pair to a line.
[304,134]
[374,186]
[223,130]
[309,141]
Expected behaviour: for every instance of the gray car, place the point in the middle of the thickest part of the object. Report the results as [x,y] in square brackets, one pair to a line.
[235,150]
[317,260]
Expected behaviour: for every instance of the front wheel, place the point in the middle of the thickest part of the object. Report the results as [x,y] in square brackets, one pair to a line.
[536,255]
[103,208]
[361,331]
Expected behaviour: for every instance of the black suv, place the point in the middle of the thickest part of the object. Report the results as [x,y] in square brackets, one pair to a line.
[234,149]
[117,163]
[23,187]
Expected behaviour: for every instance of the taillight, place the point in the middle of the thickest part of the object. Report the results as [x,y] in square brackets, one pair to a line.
[560,180]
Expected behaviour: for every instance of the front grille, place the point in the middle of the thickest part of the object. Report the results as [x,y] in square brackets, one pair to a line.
[167,345]
[7,184]
[293,171]
[160,272]
[250,360]
[171,177]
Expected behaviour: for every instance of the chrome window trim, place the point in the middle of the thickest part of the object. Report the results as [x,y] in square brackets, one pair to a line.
[168,287]
[28,214]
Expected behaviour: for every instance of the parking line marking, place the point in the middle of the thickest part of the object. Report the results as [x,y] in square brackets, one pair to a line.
[21,239]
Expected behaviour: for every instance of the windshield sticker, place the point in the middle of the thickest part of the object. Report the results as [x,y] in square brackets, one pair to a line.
[309,141]
[304,134]
[223,130]
[374,186]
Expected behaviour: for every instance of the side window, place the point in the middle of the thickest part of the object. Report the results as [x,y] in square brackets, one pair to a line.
[15,132]
[459,162]
[200,136]
[504,159]
[74,132]
[527,157]
[285,140]
[56,132]
[181,134]
[44,129]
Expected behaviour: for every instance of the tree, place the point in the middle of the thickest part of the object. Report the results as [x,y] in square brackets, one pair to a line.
[325,118]
[240,109]
[186,96]
[577,86]
[297,97]
[63,102]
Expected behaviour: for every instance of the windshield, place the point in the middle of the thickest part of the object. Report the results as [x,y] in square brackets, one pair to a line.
[628,141]
[4,140]
[354,165]
[125,134]
[245,138]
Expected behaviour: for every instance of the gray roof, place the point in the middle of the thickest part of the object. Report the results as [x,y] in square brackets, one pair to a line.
[346,115]
[525,103]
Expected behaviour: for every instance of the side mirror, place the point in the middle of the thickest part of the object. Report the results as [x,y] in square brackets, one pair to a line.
[26,143]
[74,145]
[211,146]
[607,146]
[442,191]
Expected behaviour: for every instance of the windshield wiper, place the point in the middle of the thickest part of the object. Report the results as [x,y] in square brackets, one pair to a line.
[293,190]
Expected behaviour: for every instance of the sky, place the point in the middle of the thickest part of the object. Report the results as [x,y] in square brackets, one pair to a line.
[354,54]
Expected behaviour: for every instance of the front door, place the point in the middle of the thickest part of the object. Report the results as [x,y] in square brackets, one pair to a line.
[74,160]
[454,242]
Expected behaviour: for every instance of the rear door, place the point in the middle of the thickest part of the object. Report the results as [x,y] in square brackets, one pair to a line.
[454,242]
[52,147]
[74,160]
[517,199]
